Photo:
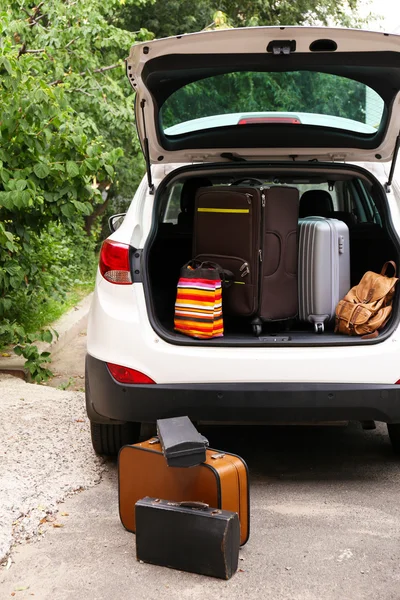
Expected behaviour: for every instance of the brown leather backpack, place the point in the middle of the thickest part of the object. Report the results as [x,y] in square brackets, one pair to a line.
[367,306]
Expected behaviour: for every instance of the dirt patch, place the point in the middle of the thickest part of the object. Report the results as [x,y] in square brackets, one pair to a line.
[45,455]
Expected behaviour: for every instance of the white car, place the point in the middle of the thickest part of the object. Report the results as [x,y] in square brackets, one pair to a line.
[315,108]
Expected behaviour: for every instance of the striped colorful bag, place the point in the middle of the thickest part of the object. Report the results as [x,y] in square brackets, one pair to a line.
[198,307]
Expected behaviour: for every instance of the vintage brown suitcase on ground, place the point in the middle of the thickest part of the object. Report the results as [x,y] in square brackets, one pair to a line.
[221,481]
[188,536]
[253,233]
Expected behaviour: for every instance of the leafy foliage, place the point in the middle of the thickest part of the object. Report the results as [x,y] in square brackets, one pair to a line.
[172,17]
[36,362]
[298,91]
[66,145]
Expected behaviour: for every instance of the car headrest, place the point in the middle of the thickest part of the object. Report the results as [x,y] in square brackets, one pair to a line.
[344,216]
[188,193]
[315,203]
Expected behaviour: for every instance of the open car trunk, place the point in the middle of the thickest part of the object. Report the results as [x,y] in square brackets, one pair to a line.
[356,198]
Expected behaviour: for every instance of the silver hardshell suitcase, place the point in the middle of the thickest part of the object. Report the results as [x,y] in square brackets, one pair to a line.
[323,269]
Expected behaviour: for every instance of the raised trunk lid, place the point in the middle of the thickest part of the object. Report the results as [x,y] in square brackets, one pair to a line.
[347,80]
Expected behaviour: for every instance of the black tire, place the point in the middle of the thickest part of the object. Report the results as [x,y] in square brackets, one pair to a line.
[108,439]
[394,434]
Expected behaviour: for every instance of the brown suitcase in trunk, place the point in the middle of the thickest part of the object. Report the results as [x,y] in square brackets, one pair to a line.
[253,233]
[221,481]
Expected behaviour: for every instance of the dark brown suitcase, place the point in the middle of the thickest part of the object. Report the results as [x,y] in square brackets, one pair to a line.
[188,536]
[252,232]
[227,231]
[221,481]
[278,270]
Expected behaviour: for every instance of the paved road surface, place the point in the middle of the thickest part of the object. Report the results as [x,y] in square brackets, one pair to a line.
[68,365]
[325,510]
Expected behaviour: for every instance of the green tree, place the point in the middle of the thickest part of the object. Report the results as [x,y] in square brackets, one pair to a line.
[299,91]
[172,17]
[67,143]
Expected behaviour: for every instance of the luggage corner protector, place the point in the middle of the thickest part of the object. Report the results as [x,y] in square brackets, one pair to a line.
[137,266]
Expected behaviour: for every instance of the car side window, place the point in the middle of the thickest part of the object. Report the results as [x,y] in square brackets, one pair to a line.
[373,215]
[354,202]
[173,206]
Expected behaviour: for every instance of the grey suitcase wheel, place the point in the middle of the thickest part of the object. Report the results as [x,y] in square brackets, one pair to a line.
[257,329]
[319,328]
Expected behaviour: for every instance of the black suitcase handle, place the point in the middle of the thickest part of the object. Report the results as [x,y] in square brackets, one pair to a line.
[196,505]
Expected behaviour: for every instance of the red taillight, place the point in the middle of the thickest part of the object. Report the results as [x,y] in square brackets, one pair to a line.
[251,120]
[126,375]
[114,262]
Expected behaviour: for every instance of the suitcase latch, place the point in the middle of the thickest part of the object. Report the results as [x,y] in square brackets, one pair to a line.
[341,244]
[218,456]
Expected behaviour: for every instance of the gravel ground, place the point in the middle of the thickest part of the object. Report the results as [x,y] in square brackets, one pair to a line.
[325,524]
[45,456]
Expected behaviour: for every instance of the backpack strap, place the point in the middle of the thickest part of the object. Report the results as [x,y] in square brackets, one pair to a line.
[370,336]
[385,266]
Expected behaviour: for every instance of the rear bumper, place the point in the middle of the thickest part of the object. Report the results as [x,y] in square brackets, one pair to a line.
[107,400]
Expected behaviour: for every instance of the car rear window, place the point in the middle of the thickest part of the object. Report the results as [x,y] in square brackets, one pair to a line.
[296,97]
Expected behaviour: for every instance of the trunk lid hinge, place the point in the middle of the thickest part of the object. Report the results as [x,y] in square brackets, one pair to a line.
[388,184]
[146,149]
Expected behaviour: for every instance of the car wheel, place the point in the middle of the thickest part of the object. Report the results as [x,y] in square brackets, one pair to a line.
[108,439]
[394,434]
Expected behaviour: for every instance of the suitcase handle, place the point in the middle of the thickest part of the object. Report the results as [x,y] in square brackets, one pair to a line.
[197,505]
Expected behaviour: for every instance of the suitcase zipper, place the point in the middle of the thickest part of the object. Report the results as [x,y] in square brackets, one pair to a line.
[260,252]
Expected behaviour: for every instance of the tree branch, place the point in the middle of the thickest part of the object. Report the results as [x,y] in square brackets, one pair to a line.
[27,12]
[100,70]
[33,19]
[208,26]
[36,21]
[82,92]
[38,7]
[70,43]
[24,50]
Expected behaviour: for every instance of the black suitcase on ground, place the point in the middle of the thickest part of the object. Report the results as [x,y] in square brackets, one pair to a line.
[188,536]
[253,233]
